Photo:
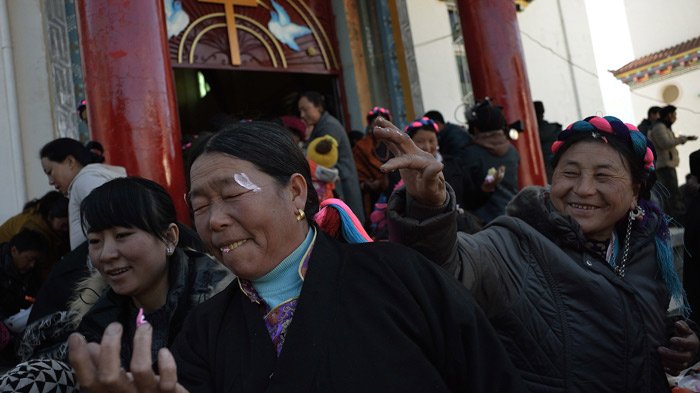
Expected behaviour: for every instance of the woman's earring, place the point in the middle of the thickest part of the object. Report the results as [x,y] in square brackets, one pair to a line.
[170,250]
[299,214]
[637,213]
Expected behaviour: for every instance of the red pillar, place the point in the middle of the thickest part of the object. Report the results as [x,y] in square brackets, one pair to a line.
[497,68]
[130,90]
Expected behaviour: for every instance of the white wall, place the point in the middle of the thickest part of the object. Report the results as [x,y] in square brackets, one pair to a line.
[612,43]
[31,79]
[565,81]
[673,23]
[11,174]
[437,67]
[688,113]
[659,24]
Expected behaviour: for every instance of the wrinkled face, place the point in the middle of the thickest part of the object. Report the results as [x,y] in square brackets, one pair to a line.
[25,261]
[60,174]
[426,141]
[245,218]
[592,184]
[309,112]
[133,262]
[59,225]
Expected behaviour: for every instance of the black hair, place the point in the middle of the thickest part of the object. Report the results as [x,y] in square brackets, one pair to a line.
[370,118]
[316,98]
[324,146]
[435,116]
[95,145]
[49,206]
[665,111]
[267,146]
[412,131]
[58,209]
[640,176]
[653,110]
[355,136]
[28,240]
[59,149]
[484,116]
[133,202]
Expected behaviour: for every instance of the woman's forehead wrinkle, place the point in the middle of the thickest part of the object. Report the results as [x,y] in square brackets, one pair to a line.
[213,184]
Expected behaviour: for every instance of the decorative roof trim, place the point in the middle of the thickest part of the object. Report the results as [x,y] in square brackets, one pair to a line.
[648,69]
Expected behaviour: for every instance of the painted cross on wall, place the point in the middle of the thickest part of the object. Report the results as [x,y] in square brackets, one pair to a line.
[229,7]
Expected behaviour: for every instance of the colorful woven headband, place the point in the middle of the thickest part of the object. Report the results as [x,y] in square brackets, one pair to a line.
[598,127]
[420,124]
[378,111]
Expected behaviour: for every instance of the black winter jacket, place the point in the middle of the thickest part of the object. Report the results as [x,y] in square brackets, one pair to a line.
[374,317]
[193,278]
[568,321]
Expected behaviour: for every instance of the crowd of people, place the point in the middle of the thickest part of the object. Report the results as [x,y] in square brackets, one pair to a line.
[407,260]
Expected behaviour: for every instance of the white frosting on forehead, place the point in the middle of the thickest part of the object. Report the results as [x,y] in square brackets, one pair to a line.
[244,181]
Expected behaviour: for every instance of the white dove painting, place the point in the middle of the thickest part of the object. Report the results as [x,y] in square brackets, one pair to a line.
[176,19]
[283,29]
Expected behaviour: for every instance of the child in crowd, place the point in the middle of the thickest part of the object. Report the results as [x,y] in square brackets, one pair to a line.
[322,155]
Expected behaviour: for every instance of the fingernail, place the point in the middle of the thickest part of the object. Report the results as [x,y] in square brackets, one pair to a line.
[113,329]
[140,319]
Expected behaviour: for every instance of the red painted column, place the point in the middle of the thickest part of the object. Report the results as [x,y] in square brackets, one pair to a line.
[497,68]
[130,90]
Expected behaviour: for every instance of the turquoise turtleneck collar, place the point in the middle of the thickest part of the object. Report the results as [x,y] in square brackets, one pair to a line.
[285,280]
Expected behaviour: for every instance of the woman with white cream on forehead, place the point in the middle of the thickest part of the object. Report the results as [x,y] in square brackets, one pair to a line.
[307,311]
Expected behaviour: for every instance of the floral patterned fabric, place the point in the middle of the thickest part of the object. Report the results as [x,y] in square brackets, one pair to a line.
[278,319]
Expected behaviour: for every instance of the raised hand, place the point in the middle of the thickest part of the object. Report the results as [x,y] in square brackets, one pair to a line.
[681,350]
[489,184]
[98,367]
[420,171]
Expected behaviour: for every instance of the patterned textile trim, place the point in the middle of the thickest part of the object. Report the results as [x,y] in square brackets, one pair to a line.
[46,337]
[41,375]
[278,319]
[4,336]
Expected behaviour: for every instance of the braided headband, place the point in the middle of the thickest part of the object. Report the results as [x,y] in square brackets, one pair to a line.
[379,111]
[598,127]
[421,123]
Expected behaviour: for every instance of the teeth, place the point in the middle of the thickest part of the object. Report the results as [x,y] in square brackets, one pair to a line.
[584,207]
[232,246]
[117,271]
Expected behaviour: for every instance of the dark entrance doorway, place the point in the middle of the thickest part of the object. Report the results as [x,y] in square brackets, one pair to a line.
[207,97]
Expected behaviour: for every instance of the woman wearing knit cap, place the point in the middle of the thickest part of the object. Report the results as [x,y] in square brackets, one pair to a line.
[307,312]
[576,279]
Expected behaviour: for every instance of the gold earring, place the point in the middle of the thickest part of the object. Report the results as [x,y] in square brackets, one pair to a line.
[299,214]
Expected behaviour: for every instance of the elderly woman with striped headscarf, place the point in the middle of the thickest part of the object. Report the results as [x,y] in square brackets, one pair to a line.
[577,278]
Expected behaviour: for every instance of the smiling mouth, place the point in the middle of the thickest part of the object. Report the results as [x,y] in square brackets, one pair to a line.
[232,246]
[583,207]
[117,272]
